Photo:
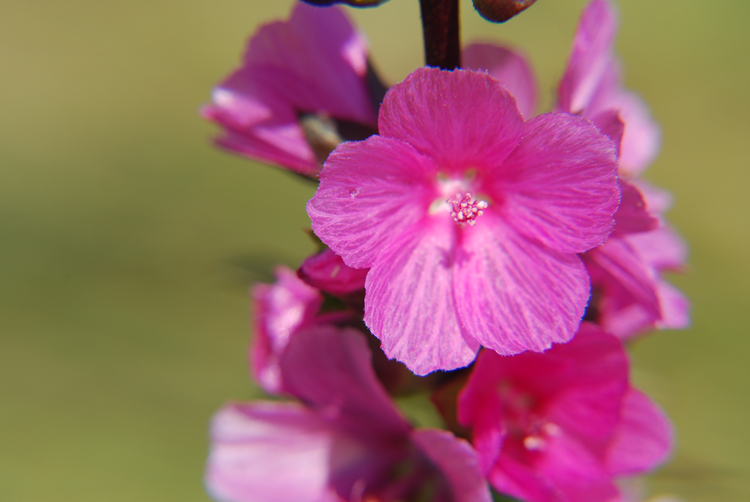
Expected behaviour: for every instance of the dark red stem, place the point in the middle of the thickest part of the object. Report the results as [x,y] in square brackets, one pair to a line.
[442,46]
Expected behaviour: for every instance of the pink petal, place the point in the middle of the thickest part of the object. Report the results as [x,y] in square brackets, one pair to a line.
[662,248]
[560,184]
[593,384]
[317,61]
[517,480]
[628,286]
[513,294]
[480,408]
[258,124]
[457,462]
[330,369]
[675,307]
[370,192]
[610,124]
[409,302]
[509,67]
[658,200]
[631,216]
[273,452]
[641,139]
[328,272]
[279,311]
[643,439]
[459,118]
[589,58]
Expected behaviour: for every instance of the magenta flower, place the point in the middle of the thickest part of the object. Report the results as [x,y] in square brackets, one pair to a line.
[300,80]
[468,218]
[560,426]
[347,442]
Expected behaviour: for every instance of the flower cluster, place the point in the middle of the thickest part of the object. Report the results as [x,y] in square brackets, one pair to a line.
[471,250]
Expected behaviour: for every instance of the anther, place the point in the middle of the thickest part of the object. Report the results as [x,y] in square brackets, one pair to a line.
[464,209]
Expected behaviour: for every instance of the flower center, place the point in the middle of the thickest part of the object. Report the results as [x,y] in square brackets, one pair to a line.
[465,209]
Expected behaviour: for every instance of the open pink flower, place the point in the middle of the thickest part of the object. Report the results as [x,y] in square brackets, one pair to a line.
[301,82]
[345,442]
[468,218]
[560,426]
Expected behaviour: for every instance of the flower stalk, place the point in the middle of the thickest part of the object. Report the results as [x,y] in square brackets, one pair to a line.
[441,33]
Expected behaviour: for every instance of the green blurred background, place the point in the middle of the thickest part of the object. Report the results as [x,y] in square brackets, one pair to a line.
[127,242]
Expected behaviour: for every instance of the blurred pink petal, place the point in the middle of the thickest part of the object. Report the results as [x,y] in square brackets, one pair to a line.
[592,85]
[279,310]
[509,67]
[644,438]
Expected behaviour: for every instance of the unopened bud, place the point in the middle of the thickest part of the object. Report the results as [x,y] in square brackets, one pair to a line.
[353,3]
[499,11]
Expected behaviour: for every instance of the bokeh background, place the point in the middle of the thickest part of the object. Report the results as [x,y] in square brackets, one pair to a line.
[127,242]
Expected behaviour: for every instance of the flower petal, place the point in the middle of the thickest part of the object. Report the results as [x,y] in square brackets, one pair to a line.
[259,125]
[330,369]
[459,118]
[628,287]
[509,67]
[457,462]
[316,61]
[513,294]
[632,216]
[560,185]
[589,58]
[279,311]
[661,248]
[370,192]
[269,451]
[675,307]
[409,302]
[643,439]
[328,272]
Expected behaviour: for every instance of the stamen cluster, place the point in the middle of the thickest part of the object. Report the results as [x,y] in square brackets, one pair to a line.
[464,209]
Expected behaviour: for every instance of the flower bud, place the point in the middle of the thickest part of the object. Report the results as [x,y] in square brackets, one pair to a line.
[353,3]
[499,11]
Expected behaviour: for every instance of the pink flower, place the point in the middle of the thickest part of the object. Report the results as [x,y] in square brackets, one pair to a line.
[303,84]
[347,442]
[560,426]
[468,218]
